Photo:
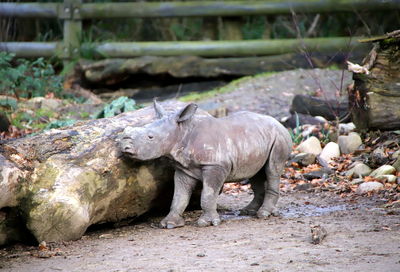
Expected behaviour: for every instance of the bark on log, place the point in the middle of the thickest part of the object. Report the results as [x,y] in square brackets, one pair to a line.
[63,180]
[190,66]
[329,109]
[375,98]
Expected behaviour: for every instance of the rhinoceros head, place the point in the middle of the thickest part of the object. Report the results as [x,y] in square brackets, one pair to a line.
[156,139]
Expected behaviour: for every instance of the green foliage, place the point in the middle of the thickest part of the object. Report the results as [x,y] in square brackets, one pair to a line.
[9,103]
[60,123]
[296,134]
[254,27]
[28,78]
[31,119]
[187,29]
[117,106]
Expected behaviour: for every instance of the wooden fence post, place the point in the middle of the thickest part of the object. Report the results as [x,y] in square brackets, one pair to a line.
[71,14]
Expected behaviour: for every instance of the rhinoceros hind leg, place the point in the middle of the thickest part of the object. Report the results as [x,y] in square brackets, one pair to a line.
[257,184]
[274,168]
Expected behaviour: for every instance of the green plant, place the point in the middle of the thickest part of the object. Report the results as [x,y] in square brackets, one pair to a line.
[117,106]
[28,78]
[296,134]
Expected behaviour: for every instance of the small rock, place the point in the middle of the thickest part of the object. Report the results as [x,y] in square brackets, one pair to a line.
[305,159]
[357,181]
[322,173]
[369,187]
[303,187]
[383,170]
[359,170]
[396,164]
[396,154]
[346,128]
[389,178]
[378,157]
[348,144]
[330,151]
[318,233]
[311,145]
[52,104]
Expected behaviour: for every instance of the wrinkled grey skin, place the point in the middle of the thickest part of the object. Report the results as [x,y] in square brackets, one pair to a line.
[214,150]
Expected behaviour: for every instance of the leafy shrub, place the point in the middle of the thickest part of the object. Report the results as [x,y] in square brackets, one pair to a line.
[27,78]
[117,106]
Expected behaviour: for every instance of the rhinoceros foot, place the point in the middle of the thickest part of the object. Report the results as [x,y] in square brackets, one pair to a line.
[171,222]
[264,214]
[209,219]
[250,212]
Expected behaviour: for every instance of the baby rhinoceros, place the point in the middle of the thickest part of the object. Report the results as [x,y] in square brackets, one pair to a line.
[243,145]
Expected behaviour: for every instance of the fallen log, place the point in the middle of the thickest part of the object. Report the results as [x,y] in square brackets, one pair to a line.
[64,180]
[113,71]
[329,109]
[375,97]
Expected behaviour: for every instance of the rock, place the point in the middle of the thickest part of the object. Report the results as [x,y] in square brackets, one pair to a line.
[396,155]
[322,173]
[303,159]
[369,187]
[389,178]
[348,144]
[396,164]
[346,128]
[359,170]
[318,233]
[303,187]
[294,120]
[330,151]
[378,157]
[52,104]
[357,181]
[383,170]
[311,145]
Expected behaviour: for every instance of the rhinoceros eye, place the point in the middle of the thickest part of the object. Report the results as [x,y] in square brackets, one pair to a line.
[150,136]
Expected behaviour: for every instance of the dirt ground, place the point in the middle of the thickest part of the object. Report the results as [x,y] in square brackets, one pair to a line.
[361,237]
[361,234]
[272,95]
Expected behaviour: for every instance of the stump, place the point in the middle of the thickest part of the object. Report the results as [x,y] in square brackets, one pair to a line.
[375,97]
[64,180]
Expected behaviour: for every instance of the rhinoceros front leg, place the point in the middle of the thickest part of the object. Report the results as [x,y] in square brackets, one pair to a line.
[213,179]
[184,185]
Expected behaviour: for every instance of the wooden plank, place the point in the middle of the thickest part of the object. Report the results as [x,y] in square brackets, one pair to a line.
[30,49]
[230,8]
[33,10]
[223,48]
[72,30]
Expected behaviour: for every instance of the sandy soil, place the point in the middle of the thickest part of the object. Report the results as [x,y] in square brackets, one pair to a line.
[361,237]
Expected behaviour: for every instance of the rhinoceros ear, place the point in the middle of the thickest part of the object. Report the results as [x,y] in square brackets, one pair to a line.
[160,112]
[186,113]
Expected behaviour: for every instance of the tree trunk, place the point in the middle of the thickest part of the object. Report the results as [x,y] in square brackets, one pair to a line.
[375,98]
[64,180]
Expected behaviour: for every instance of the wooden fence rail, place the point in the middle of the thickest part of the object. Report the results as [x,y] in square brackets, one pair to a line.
[72,12]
